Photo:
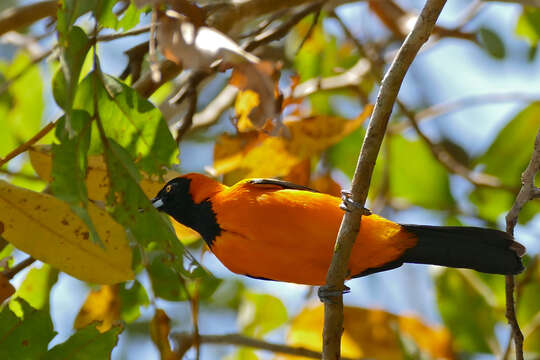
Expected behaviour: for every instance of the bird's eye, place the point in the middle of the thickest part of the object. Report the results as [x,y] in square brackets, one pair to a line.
[168,188]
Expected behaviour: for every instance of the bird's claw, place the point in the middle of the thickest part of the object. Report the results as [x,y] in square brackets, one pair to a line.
[348,204]
[328,294]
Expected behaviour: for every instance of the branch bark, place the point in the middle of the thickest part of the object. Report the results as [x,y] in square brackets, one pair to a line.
[22,16]
[350,226]
[186,341]
[527,192]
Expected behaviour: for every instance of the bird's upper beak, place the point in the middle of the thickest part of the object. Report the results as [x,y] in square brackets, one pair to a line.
[157,203]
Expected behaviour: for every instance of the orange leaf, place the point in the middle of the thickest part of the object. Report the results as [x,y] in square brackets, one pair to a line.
[261,155]
[371,333]
[6,289]
[101,305]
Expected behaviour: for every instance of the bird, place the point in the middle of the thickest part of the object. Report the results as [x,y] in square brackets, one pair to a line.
[275,230]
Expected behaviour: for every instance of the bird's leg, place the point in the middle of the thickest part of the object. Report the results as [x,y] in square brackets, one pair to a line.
[328,293]
[348,204]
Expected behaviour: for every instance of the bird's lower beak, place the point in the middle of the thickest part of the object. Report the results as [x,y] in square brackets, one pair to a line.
[157,203]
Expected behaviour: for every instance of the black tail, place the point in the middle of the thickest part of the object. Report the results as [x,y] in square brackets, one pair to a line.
[486,250]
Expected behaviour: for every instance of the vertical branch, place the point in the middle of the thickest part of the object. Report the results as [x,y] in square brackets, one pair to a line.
[350,226]
[527,192]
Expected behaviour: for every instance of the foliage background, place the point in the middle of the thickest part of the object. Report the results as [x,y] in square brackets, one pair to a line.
[410,185]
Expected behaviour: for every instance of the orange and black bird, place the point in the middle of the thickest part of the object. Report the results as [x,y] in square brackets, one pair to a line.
[275,230]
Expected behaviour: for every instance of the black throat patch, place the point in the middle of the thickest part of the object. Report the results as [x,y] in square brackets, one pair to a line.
[202,218]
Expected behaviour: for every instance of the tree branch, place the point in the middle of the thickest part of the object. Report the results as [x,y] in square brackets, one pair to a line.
[350,226]
[22,16]
[448,161]
[186,341]
[23,147]
[527,192]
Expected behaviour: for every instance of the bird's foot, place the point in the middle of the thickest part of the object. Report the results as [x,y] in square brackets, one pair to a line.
[348,204]
[327,294]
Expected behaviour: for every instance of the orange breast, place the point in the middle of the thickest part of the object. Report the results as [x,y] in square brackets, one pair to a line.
[288,235]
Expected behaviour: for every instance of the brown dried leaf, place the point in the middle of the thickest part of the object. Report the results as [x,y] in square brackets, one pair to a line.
[160,328]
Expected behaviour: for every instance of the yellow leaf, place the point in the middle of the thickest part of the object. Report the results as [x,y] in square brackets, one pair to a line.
[260,155]
[160,328]
[246,101]
[6,289]
[46,228]
[97,183]
[370,333]
[102,305]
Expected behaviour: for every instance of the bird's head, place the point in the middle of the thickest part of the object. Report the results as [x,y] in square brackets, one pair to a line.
[174,197]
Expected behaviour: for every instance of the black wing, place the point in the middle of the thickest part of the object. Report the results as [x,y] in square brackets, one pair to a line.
[280,183]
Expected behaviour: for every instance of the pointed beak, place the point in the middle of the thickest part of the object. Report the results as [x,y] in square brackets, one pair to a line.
[157,203]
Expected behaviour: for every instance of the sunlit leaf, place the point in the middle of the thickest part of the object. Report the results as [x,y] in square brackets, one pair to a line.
[101,305]
[36,287]
[260,313]
[260,155]
[528,25]
[21,107]
[128,119]
[86,344]
[372,333]
[97,183]
[63,240]
[24,337]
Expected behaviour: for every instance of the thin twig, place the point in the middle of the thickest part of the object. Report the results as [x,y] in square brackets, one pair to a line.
[185,341]
[133,32]
[461,104]
[23,147]
[448,161]
[188,118]
[527,192]
[311,28]
[350,226]
[20,175]
[22,16]
[11,272]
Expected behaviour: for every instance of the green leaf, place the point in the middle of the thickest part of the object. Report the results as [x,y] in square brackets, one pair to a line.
[69,165]
[69,11]
[24,337]
[36,287]
[507,158]
[492,43]
[261,313]
[74,46]
[165,281]
[344,154]
[528,311]
[416,176]
[130,120]
[467,315]
[86,344]
[132,299]
[21,106]
[528,25]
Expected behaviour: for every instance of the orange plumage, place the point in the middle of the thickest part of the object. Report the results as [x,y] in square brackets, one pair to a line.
[280,231]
